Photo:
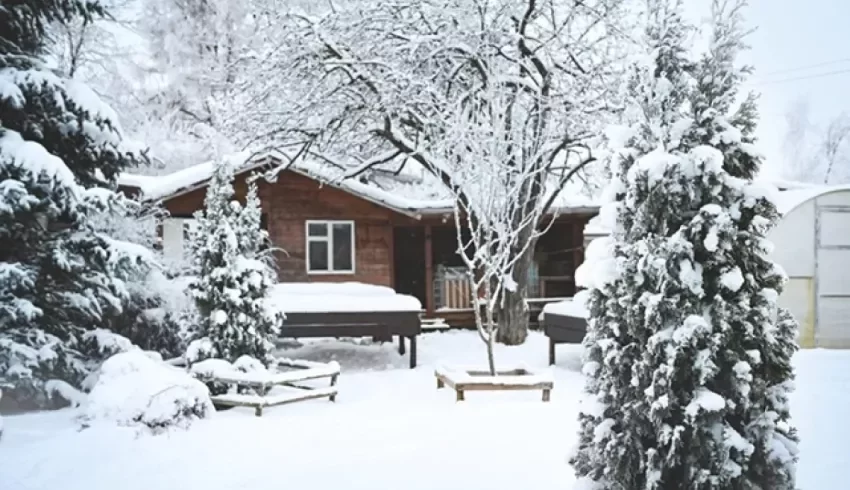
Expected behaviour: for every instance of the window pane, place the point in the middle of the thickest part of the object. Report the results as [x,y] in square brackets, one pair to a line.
[318,256]
[342,247]
[317,229]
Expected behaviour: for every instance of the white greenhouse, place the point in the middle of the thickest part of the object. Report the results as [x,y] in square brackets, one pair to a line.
[812,243]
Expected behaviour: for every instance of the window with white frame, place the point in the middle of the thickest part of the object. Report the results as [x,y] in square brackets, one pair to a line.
[330,247]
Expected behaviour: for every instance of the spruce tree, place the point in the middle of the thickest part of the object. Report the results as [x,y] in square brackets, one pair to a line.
[60,152]
[234,276]
[688,356]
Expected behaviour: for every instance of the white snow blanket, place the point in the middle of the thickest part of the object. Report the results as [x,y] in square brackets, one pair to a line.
[367,438]
[134,389]
[311,297]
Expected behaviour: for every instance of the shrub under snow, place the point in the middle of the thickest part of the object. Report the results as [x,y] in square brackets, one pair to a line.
[134,389]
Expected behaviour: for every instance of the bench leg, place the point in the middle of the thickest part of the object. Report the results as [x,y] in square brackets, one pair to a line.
[440,383]
[333,383]
[258,411]
[546,395]
[551,352]
[460,395]
[401,345]
[412,352]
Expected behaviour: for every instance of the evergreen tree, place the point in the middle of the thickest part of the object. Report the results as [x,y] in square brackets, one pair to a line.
[60,151]
[234,277]
[688,357]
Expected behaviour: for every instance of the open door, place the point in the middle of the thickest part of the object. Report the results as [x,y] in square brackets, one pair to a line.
[409,261]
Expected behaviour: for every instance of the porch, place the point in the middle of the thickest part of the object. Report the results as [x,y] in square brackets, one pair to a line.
[426,265]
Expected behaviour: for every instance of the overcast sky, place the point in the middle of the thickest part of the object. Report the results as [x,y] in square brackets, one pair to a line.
[792,35]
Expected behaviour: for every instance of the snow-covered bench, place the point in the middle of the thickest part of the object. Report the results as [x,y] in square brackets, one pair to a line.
[349,309]
[261,383]
[564,322]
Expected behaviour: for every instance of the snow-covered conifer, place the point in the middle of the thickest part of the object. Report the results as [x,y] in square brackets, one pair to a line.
[688,355]
[60,152]
[234,276]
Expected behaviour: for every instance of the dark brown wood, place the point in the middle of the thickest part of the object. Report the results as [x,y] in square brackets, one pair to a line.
[412,351]
[551,352]
[401,345]
[562,329]
[376,324]
[429,271]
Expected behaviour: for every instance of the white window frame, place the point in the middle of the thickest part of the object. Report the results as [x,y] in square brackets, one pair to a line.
[329,240]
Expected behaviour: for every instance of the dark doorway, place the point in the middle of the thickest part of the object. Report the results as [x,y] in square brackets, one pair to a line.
[409,254]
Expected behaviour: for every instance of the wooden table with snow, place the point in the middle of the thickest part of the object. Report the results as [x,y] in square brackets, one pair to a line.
[348,309]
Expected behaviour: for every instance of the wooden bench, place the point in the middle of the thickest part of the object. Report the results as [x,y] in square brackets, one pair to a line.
[380,325]
[562,329]
[262,383]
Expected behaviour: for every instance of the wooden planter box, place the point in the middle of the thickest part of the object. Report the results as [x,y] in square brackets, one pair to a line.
[476,379]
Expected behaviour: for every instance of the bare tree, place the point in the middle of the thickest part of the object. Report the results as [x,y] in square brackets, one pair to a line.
[375,84]
[836,149]
[495,225]
[815,154]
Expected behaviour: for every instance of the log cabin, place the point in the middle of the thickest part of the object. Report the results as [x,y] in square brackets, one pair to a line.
[380,231]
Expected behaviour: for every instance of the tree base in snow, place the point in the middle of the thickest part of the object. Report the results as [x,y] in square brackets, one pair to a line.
[473,379]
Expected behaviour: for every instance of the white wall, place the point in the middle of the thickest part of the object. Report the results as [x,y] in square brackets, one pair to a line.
[174,244]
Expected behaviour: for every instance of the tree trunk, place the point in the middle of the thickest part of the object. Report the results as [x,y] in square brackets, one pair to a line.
[512,311]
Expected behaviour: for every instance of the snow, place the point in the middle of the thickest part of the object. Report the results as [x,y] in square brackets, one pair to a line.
[705,400]
[389,425]
[35,159]
[575,307]
[132,389]
[460,374]
[223,370]
[302,297]
[733,279]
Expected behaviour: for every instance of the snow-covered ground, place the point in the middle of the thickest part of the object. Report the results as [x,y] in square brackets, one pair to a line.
[390,428]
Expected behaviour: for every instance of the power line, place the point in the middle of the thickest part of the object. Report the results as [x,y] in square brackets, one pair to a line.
[806,67]
[804,77]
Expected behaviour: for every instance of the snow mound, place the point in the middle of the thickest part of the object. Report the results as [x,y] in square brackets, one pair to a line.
[132,389]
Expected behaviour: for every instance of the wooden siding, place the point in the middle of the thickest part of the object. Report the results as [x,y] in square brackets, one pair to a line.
[290,202]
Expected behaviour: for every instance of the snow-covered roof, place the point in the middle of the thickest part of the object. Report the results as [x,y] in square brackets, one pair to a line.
[413,196]
[788,200]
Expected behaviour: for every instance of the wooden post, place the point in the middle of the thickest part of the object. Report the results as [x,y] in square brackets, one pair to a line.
[545,395]
[401,345]
[429,273]
[459,394]
[333,383]
[412,352]
[551,351]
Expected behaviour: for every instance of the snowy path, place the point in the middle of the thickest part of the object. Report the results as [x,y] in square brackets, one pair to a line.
[390,429]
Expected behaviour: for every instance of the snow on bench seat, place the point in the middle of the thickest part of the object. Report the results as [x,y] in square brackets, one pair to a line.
[304,297]
[469,376]
[260,402]
[478,379]
[224,372]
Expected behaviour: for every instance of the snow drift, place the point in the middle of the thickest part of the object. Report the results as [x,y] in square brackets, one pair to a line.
[134,389]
